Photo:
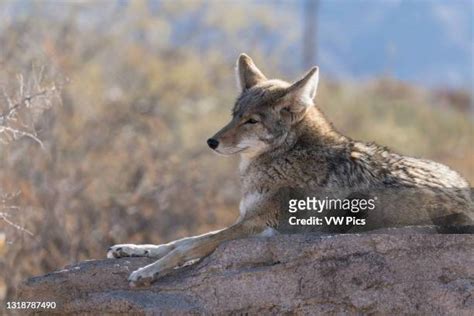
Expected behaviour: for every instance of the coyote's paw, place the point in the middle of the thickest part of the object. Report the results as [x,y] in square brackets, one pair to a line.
[143,276]
[127,250]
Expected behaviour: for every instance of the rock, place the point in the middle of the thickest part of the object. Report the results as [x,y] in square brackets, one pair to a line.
[307,274]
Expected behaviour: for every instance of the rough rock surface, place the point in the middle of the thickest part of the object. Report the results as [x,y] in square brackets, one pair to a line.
[357,274]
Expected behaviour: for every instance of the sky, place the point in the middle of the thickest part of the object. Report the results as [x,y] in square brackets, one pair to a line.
[426,42]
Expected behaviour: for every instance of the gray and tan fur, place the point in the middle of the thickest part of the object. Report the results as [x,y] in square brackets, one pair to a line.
[289,150]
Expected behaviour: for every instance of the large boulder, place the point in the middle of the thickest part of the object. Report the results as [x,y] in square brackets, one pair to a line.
[395,273]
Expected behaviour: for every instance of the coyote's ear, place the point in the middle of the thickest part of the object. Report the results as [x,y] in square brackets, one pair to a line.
[300,95]
[248,75]
[305,89]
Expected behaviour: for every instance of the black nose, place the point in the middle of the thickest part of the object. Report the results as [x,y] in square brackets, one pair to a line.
[213,143]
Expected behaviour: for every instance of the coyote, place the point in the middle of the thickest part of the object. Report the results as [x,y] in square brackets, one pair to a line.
[289,151]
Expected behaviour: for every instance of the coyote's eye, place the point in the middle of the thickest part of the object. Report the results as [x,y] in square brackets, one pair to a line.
[251,121]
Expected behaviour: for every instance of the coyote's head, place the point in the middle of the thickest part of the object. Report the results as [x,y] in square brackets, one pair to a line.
[265,111]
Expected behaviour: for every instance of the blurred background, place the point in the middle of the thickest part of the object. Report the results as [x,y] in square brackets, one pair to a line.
[105,107]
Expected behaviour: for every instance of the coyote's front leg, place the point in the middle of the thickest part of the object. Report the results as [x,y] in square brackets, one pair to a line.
[131,250]
[192,248]
[150,251]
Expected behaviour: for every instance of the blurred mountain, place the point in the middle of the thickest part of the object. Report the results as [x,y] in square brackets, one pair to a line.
[426,42]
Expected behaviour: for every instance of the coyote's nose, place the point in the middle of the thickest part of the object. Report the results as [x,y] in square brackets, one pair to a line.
[213,143]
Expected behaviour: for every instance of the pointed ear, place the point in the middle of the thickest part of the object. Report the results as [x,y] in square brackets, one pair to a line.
[248,75]
[305,89]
